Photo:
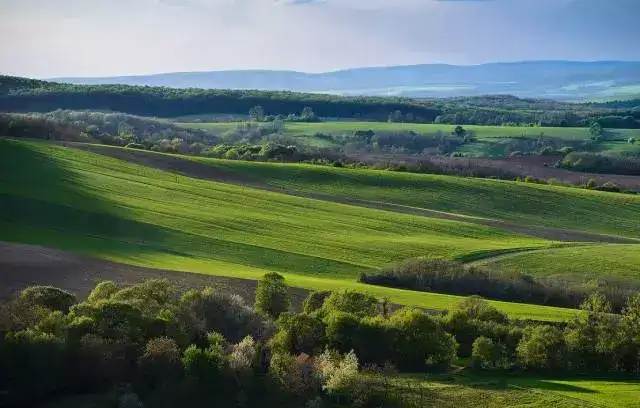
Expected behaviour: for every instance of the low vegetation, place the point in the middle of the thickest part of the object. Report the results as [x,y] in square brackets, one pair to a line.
[150,345]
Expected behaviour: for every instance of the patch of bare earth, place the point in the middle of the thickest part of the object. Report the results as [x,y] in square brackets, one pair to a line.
[198,170]
[23,265]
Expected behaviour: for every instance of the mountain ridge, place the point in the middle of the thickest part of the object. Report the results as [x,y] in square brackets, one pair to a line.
[551,79]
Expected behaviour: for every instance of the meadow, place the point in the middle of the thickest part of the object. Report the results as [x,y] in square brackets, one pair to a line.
[103,207]
[525,204]
[616,262]
[480,132]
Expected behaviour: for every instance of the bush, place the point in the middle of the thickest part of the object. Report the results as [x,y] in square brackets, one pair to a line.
[160,365]
[314,301]
[272,296]
[102,291]
[342,331]
[50,297]
[541,348]
[591,184]
[420,341]
[483,354]
[337,373]
[300,333]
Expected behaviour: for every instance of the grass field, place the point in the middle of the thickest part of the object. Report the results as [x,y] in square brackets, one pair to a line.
[110,209]
[521,203]
[491,390]
[481,132]
[615,261]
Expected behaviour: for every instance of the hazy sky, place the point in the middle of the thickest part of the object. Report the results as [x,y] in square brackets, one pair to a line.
[49,38]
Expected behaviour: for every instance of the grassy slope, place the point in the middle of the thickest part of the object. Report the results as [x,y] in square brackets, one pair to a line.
[107,208]
[491,390]
[621,262]
[521,203]
[481,132]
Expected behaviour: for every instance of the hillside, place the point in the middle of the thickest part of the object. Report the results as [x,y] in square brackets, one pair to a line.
[562,80]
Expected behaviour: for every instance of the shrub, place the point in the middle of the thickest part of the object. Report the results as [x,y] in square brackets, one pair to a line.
[293,375]
[420,341]
[244,354]
[300,333]
[102,291]
[349,301]
[338,373]
[315,300]
[591,184]
[483,355]
[609,186]
[160,365]
[342,330]
[272,297]
[50,297]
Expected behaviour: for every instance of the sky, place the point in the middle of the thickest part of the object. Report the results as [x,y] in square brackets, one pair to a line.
[62,38]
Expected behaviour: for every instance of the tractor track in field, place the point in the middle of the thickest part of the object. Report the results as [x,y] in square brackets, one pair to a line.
[194,169]
[23,265]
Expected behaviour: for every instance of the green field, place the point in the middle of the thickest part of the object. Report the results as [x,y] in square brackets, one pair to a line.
[520,203]
[106,208]
[481,132]
[613,261]
[490,390]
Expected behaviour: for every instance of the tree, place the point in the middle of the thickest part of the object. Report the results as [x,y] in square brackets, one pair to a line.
[596,131]
[256,113]
[350,301]
[315,300]
[272,296]
[483,354]
[307,114]
[459,131]
[541,347]
[49,297]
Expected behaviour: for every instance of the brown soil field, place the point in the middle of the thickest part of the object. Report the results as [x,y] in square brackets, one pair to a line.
[202,171]
[23,265]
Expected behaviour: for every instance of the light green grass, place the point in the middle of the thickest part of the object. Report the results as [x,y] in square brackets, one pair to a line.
[107,208]
[490,390]
[481,132]
[613,261]
[521,203]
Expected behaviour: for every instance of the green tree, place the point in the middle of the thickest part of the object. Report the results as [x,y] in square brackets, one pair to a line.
[595,131]
[350,301]
[256,113]
[315,300]
[49,297]
[541,348]
[483,353]
[459,131]
[272,296]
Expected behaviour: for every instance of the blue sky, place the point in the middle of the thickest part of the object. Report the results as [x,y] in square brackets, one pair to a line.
[48,38]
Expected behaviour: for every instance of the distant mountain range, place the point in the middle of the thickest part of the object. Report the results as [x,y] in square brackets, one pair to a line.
[560,80]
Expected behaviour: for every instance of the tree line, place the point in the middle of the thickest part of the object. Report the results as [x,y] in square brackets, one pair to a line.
[24,95]
[151,345]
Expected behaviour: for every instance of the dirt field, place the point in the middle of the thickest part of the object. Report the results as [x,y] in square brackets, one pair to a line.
[197,170]
[27,265]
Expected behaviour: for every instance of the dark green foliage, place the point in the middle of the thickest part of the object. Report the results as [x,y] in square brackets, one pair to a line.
[453,277]
[598,163]
[272,297]
[49,297]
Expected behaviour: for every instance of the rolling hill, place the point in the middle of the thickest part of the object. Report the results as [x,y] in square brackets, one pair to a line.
[106,208]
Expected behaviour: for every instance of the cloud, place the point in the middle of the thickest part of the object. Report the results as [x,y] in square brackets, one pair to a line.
[118,37]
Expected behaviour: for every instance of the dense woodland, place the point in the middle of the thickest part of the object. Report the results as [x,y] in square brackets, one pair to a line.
[26,95]
[150,345]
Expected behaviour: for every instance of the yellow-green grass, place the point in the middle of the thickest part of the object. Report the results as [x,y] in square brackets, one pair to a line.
[521,203]
[615,262]
[493,390]
[481,132]
[107,208]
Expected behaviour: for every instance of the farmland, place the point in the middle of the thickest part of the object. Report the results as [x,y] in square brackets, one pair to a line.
[481,132]
[106,208]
